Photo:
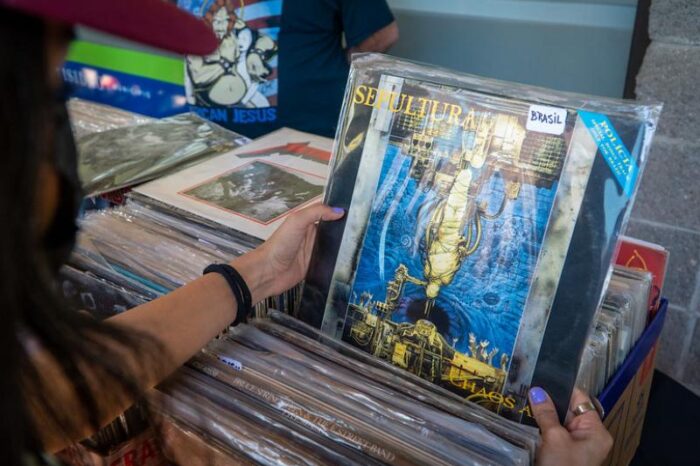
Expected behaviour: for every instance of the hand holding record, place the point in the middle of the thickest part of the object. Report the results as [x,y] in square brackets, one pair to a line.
[281,262]
[583,441]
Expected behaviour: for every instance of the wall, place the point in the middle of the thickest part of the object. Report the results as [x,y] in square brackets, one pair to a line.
[667,210]
[580,46]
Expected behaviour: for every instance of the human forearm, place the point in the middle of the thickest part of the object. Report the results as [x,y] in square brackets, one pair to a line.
[178,324]
[183,321]
[380,41]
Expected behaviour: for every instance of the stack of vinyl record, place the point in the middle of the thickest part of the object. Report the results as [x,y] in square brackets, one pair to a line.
[268,394]
[123,258]
[619,324]
[173,227]
[247,193]
[131,254]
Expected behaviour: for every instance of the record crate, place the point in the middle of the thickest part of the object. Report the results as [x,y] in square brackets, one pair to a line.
[626,395]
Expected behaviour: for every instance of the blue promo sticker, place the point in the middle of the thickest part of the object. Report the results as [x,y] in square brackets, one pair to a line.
[619,159]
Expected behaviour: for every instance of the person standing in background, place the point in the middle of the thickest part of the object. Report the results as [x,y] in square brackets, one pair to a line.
[282,62]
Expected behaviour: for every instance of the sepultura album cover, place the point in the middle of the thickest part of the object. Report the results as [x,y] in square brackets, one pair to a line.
[467,204]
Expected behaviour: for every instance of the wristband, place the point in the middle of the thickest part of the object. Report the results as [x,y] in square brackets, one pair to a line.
[239,288]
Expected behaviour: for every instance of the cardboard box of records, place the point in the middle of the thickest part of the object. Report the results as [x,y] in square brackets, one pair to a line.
[628,394]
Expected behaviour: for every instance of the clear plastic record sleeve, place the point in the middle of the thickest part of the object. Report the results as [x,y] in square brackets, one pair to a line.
[619,324]
[482,218]
[209,381]
[635,286]
[345,355]
[86,291]
[157,258]
[125,156]
[185,444]
[355,392]
[360,434]
[190,403]
[135,249]
[88,117]
[183,227]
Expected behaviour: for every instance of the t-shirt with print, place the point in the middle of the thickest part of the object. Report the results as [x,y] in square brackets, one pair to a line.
[279,62]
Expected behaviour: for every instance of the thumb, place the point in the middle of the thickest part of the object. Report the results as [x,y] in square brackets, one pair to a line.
[543,410]
[314,213]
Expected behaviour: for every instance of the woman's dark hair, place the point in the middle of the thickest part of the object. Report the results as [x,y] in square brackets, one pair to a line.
[32,310]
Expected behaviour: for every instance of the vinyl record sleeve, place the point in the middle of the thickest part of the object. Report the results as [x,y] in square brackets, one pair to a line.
[126,156]
[647,256]
[87,117]
[87,292]
[300,334]
[481,221]
[353,391]
[250,190]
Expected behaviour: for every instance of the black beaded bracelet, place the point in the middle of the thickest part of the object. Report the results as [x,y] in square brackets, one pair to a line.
[239,288]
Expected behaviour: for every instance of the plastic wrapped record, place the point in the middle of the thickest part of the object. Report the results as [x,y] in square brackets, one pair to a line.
[618,325]
[185,444]
[239,403]
[157,260]
[156,218]
[394,422]
[324,419]
[482,218]
[145,253]
[87,258]
[345,355]
[612,323]
[356,392]
[601,345]
[246,438]
[123,157]
[635,286]
[584,381]
[89,117]
[89,292]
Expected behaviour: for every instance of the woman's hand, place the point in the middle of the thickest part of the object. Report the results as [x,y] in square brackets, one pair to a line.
[282,261]
[584,441]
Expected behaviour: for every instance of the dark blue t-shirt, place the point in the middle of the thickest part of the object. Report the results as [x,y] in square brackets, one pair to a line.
[279,62]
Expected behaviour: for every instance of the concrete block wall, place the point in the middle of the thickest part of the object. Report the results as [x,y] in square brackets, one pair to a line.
[667,210]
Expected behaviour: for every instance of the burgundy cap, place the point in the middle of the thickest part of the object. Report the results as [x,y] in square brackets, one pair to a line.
[152,22]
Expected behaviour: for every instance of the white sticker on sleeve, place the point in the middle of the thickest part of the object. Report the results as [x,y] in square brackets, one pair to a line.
[231,363]
[549,120]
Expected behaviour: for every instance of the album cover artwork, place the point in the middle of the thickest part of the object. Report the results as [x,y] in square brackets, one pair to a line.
[259,191]
[250,190]
[642,255]
[465,206]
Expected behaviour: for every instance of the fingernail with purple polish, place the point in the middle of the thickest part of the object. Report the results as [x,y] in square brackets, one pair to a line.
[537,395]
[338,210]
